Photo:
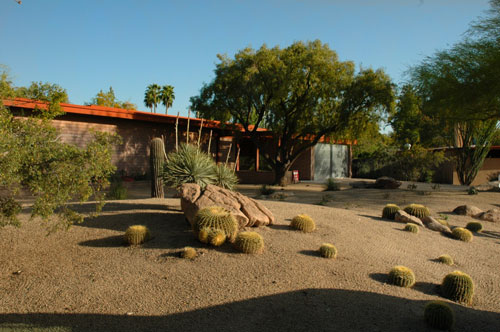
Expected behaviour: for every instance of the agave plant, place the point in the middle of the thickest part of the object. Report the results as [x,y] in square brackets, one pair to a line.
[189,165]
[226,178]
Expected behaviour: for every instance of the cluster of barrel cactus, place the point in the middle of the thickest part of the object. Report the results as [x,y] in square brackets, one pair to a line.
[137,234]
[401,276]
[389,211]
[303,223]
[214,225]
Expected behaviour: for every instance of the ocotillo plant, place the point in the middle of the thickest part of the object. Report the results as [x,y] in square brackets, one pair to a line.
[157,160]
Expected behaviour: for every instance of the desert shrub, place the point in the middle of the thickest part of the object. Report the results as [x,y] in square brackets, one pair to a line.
[401,276]
[9,209]
[189,253]
[303,223]
[472,191]
[458,286]
[265,190]
[249,243]
[412,228]
[446,259]
[389,211]
[462,234]
[331,185]
[439,315]
[116,189]
[214,218]
[225,177]
[474,226]
[328,250]
[137,234]
[417,210]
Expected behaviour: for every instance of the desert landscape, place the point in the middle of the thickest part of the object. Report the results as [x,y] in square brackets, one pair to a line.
[86,279]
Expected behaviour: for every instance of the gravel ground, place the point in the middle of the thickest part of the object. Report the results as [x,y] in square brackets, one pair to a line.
[85,279]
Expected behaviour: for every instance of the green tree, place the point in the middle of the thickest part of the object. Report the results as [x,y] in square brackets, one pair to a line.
[167,96]
[152,96]
[109,99]
[461,86]
[33,158]
[51,93]
[301,93]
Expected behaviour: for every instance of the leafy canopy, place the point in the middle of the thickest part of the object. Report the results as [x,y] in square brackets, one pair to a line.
[109,99]
[301,93]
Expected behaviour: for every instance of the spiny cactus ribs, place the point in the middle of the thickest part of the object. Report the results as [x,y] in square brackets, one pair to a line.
[462,234]
[189,253]
[157,160]
[446,259]
[439,315]
[412,228]
[401,276]
[249,243]
[474,226]
[458,286]
[389,211]
[303,223]
[137,234]
[417,210]
[328,250]
[215,218]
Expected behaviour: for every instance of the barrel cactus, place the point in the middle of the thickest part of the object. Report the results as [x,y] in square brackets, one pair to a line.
[137,234]
[439,315]
[446,259]
[328,250]
[303,223]
[189,253]
[401,276]
[462,234]
[474,226]
[417,210]
[215,218]
[458,286]
[216,237]
[389,211]
[249,242]
[157,161]
[412,228]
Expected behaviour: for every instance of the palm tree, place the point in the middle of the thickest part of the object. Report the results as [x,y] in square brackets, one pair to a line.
[152,96]
[167,96]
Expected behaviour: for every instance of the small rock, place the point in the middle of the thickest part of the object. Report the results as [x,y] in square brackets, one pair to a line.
[386,182]
[467,210]
[492,215]
[402,216]
[18,272]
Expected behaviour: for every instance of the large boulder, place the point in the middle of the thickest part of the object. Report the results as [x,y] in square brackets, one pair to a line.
[435,225]
[386,182]
[467,210]
[492,215]
[247,211]
[402,216]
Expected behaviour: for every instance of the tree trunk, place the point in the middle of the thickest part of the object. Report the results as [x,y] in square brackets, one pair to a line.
[280,175]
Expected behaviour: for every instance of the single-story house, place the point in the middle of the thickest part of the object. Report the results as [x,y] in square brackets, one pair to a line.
[326,159]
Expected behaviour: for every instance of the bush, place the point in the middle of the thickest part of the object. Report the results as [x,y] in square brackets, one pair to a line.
[458,286]
[9,209]
[439,315]
[137,234]
[117,190]
[474,226]
[225,177]
[472,191]
[328,250]
[303,223]
[249,243]
[462,234]
[401,276]
[332,185]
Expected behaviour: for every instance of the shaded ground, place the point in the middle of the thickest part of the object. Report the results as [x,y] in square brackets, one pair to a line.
[86,280]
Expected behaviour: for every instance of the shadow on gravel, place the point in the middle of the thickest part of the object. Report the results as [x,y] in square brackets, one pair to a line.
[380,277]
[304,310]
[313,253]
[489,234]
[427,288]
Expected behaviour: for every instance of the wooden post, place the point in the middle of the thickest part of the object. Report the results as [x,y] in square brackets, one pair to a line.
[228,153]
[177,133]
[209,142]
[199,134]
[257,161]
[237,163]
[187,132]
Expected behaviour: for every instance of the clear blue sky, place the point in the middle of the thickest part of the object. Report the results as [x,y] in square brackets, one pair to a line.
[85,46]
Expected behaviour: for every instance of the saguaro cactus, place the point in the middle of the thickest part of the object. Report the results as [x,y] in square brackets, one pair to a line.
[157,159]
